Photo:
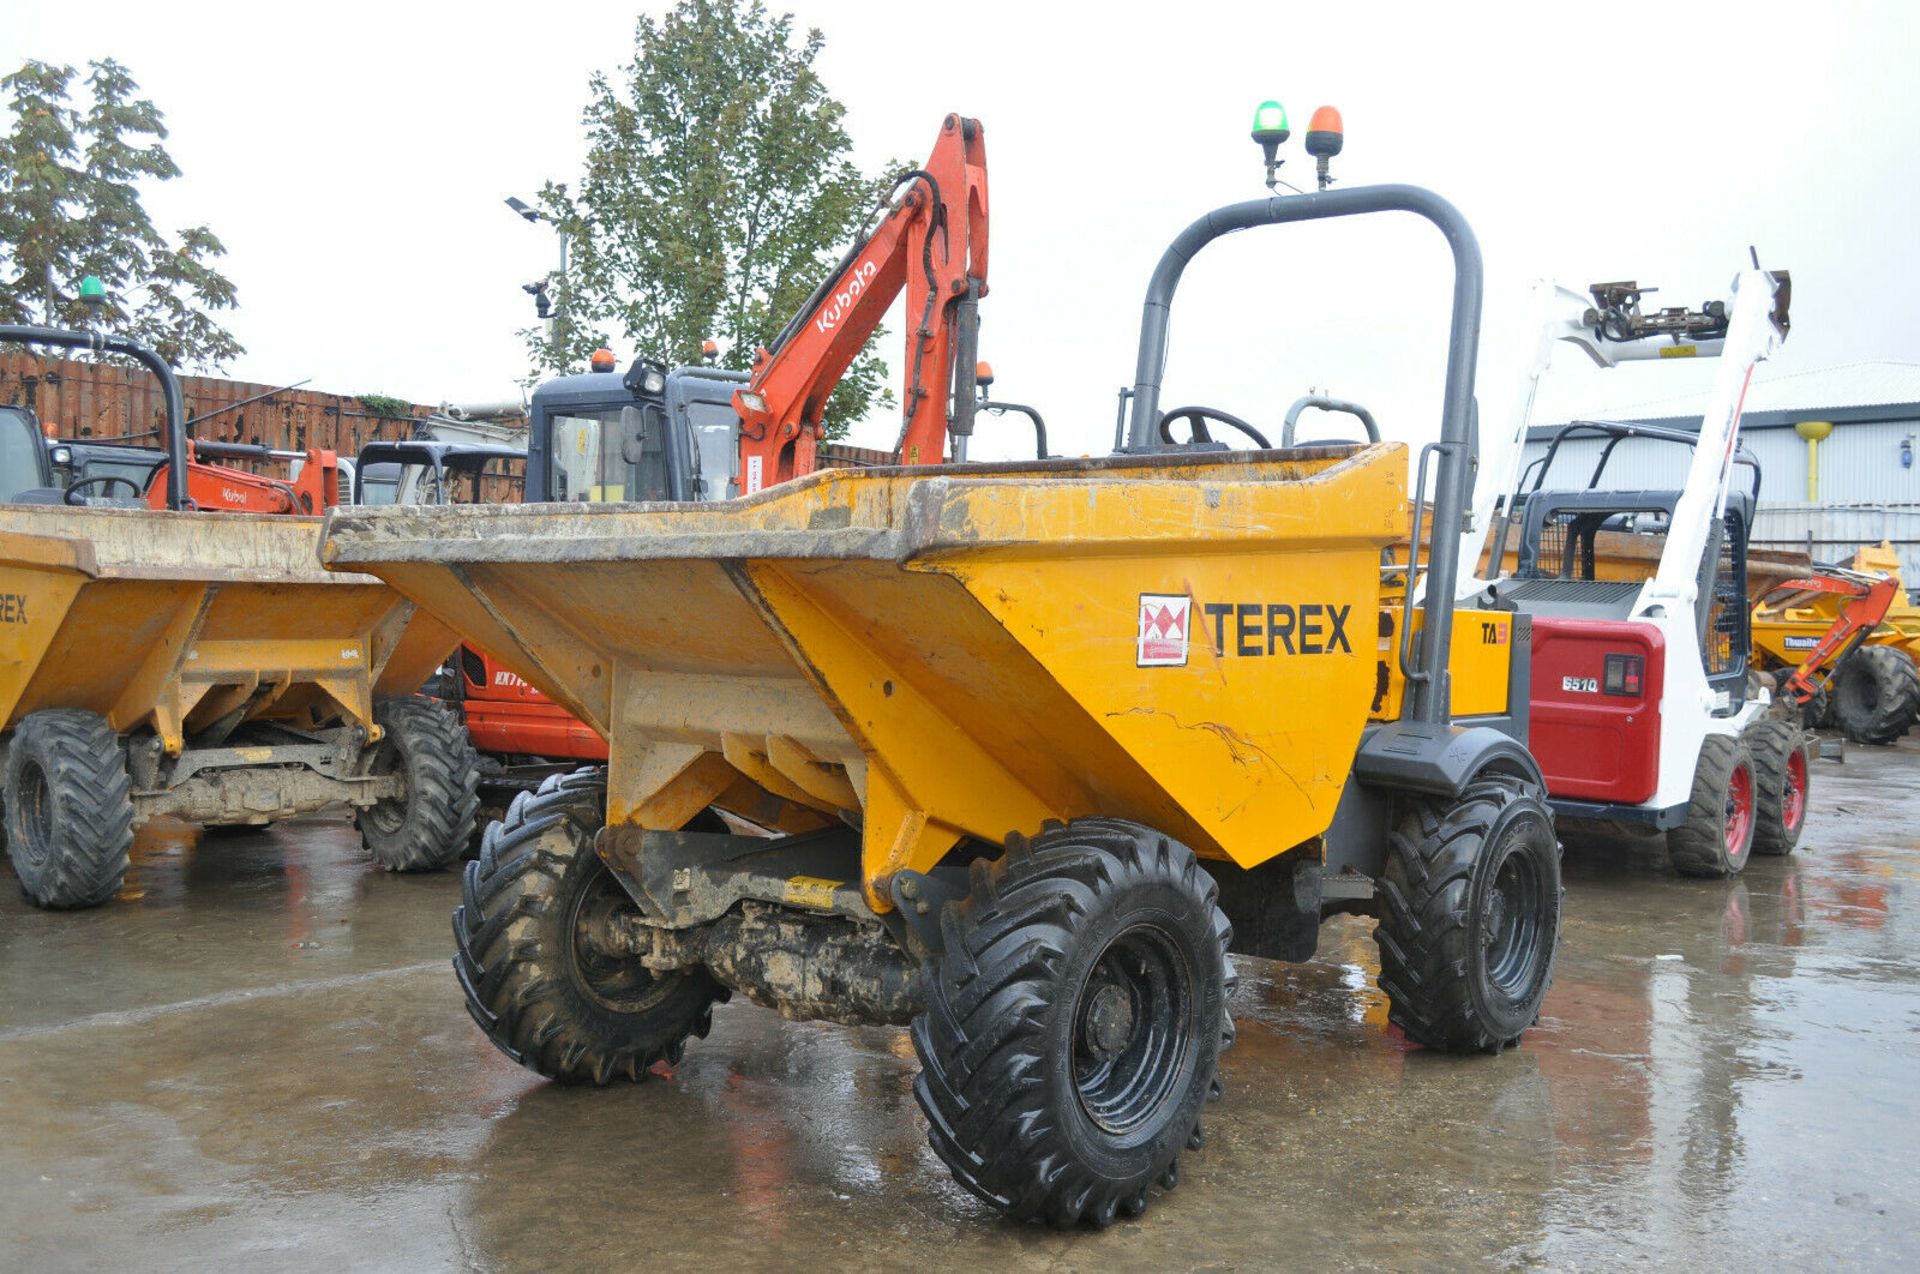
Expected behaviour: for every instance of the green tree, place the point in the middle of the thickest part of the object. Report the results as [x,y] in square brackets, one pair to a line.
[718,192]
[70,206]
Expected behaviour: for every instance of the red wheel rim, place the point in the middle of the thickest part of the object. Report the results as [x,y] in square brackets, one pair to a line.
[1793,802]
[1739,810]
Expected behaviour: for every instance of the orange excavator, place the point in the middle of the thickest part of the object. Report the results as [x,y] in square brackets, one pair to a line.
[313,488]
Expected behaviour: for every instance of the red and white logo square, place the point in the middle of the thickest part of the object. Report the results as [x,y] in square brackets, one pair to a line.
[1165,620]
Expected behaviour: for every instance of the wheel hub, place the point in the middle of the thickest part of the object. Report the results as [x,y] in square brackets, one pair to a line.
[1110,1019]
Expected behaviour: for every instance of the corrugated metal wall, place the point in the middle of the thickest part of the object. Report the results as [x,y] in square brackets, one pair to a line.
[102,400]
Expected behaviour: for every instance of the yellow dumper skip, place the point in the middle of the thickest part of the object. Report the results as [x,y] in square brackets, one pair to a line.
[172,621]
[1188,643]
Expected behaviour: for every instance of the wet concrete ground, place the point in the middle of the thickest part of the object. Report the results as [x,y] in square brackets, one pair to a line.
[257,1056]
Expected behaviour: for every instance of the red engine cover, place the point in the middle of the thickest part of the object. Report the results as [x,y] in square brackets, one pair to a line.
[1594,746]
[506,715]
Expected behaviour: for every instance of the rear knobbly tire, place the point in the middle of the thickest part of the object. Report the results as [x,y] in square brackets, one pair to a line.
[1470,916]
[1781,785]
[1715,840]
[432,824]
[1074,1022]
[69,809]
[1876,695]
[546,1001]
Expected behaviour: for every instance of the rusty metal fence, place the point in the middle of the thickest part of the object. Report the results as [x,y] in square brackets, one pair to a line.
[84,400]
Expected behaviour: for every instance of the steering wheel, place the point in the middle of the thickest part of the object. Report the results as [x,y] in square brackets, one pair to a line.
[107,480]
[1199,416]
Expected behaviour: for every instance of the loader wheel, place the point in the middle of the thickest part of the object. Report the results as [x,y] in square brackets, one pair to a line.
[538,984]
[1876,695]
[428,827]
[1470,916]
[1075,1022]
[69,808]
[1717,838]
[1780,786]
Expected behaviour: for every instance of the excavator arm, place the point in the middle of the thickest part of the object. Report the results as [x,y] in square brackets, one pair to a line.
[1863,600]
[931,242]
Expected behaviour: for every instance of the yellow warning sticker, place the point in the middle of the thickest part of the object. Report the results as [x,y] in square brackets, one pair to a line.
[1679,351]
[255,755]
[811,891]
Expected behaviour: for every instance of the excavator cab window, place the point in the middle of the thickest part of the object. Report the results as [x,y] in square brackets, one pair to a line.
[610,454]
[716,451]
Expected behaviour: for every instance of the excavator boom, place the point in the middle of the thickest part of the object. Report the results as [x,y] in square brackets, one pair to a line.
[931,243]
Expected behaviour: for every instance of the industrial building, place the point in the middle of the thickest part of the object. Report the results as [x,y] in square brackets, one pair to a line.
[1835,448]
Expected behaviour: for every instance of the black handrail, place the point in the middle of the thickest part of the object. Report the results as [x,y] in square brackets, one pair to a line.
[1427,700]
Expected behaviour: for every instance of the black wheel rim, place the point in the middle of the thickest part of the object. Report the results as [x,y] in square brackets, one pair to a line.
[1511,919]
[36,810]
[1131,1029]
[613,979]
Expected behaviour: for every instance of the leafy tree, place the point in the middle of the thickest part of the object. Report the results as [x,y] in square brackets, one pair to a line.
[717,194]
[70,207]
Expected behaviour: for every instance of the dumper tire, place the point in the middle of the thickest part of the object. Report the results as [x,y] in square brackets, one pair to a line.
[1782,785]
[1470,916]
[1876,695]
[1074,1022]
[430,826]
[69,809]
[1717,837]
[573,1016]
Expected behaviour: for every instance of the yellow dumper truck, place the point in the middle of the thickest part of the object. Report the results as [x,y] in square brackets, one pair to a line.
[203,666]
[1016,753]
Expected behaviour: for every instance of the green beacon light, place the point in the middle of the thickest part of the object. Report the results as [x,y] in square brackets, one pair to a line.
[1270,130]
[92,291]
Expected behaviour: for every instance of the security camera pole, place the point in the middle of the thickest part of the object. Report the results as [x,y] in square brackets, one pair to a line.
[556,315]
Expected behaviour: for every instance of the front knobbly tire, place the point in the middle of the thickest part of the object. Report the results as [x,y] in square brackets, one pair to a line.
[515,958]
[1443,861]
[66,763]
[1699,847]
[431,826]
[1774,744]
[1876,695]
[996,1042]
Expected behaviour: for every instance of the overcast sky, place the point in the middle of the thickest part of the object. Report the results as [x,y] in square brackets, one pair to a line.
[354,159]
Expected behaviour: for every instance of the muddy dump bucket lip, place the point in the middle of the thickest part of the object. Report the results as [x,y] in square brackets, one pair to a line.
[189,546]
[709,530]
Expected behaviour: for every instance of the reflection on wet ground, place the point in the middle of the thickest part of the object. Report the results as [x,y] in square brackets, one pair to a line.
[257,1055]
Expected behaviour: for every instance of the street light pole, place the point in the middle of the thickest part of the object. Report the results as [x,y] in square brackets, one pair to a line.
[556,321]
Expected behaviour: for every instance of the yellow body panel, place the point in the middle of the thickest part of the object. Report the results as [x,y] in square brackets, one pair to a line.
[173,620]
[1191,643]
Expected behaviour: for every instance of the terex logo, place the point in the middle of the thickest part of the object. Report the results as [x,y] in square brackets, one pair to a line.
[836,308]
[1267,628]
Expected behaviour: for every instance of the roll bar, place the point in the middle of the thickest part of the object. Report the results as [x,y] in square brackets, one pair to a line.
[175,433]
[1325,403]
[1428,694]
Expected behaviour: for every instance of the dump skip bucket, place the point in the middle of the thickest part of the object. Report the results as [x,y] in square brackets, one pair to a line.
[1190,643]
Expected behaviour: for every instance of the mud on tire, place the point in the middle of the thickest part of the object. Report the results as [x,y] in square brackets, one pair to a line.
[1470,916]
[1717,838]
[69,808]
[1075,1022]
[1876,695]
[541,994]
[428,827]
[1781,785]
